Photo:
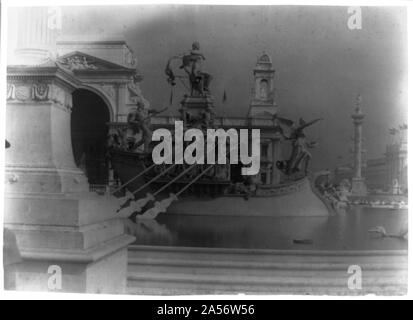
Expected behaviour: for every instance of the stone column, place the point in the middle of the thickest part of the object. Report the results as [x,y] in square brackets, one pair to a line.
[59,225]
[358,183]
[122,111]
[36,36]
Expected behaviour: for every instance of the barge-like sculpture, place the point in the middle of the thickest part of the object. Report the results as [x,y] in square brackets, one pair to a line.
[207,189]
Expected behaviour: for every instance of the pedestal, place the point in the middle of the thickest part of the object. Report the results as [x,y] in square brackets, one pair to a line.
[59,226]
[78,234]
[358,187]
[197,108]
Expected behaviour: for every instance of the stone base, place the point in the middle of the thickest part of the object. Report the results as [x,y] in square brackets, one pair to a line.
[197,107]
[96,271]
[198,102]
[358,187]
[80,234]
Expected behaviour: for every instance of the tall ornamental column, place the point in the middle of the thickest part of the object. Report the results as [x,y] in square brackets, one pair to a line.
[358,182]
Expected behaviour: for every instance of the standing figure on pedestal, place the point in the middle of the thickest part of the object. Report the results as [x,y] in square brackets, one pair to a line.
[192,64]
[300,156]
[139,120]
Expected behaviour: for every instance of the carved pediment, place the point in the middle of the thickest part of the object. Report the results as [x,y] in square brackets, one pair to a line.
[78,62]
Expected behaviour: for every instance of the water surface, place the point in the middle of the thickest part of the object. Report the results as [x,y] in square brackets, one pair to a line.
[343,231]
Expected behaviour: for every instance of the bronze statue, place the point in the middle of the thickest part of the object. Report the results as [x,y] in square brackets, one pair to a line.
[192,64]
[139,120]
[134,88]
[117,140]
[300,156]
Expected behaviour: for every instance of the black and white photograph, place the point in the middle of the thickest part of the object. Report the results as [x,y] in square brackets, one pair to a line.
[205,150]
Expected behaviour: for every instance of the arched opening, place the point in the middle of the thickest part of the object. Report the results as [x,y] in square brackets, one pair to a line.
[89,129]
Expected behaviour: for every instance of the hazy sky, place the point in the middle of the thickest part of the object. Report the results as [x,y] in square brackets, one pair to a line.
[320,64]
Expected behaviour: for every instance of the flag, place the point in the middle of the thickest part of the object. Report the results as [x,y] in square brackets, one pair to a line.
[171,97]
[224,97]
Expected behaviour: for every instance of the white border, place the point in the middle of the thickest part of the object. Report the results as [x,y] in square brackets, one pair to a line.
[64,296]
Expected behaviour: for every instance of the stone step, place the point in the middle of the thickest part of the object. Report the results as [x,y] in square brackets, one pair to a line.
[179,270]
[303,269]
[264,255]
[381,291]
[158,283]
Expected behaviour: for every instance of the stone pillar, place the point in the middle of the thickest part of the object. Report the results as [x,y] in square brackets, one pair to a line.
[61,229]
[276,156]
[358,183]
[36,36]
[122,107]
[38,128]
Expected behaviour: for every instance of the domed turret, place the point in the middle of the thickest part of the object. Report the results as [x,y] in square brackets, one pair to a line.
[262,101]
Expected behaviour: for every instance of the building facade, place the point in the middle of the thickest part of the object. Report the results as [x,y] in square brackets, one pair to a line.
[385,174]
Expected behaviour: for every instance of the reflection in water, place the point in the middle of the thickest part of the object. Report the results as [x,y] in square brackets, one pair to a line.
[343,231]
[148,232]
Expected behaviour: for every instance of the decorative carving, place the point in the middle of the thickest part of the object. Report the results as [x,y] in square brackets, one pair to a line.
[22,93]
[283,189]
[300,156]
[40,92]
[77,62]
[11,89]
[192,64]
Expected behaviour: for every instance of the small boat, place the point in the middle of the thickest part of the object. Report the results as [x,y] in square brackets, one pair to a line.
[303,241]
